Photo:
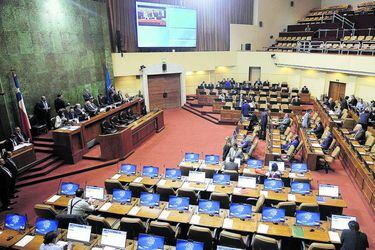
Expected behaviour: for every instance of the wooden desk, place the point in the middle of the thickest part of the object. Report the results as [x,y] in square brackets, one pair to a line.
[207,220]
[275,196]
[175,216]
[310,153]
[217,106]
[129,245]
[215,167]
[194,165]
[24,155]
[247,192]
[302,198]
[305,97]
[230,115]
[117,209]
[175,184]
[319,234]
[146,212]
[61,202]
[206,100]
[12,235]
[37,241]
[282,229]
[224,189]
[82,246]
[125,179]
[147,181]
[196,186]
[237,224]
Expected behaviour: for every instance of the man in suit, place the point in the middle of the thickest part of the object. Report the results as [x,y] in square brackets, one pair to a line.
[304,90]
[82,116]
[21,137]
[245,109]
[230,165]
[263,124]
[60,103]
[327,141]
[43,112]
[285,123]
[87,95]
[12,167]
[78,206]
[353,239]
[91,108]
[253,120]
[360,134]
[318,130]
[306,119]
[364,118]
[5,179]
[11,142]
[344,103]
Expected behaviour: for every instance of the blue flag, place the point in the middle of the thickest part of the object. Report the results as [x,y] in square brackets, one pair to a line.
[107,84]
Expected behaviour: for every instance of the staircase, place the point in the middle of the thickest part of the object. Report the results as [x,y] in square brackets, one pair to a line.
[204,112]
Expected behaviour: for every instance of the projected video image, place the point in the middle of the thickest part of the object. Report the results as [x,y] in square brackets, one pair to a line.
[151,16]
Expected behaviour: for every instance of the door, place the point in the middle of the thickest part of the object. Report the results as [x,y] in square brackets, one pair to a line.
[336,90]
[164,91]
[254,74]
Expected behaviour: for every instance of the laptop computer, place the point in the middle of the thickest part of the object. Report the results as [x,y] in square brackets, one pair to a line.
[305,218]
[195,176]
[15,222]
[212,159]
[208,207]
[273,184]
[94,192]
[178,203]
[270,214]
[113,238]
[150,171]
[68,188]
[252,163]
[149,199]
[152,242]
[128,169]
[221,179]
[189,245]
[341,222]
[173,173]
[298,168]
[78,232]
[329,190]
[300,187]
[43,226]
[121,196]
[238,210]
[191,157]
[280,164]
[247,182]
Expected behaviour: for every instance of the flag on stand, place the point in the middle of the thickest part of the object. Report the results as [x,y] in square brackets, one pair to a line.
[24,119]
[107,84]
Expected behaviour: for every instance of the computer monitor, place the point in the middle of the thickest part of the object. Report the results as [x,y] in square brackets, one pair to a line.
[272,214]
[252,163]
[189,245]
[273,184]
[195,176]
[113,238]
[247,182]
[221,179]
[150,171]
[43,226]
[172,173]
[209,207]
[191,157]
[94,192]
[68,188]
[129,169]
[15,222]
[280,164]
[341,222]
[149,199]
[300,187]
[178,203]
[219,247]
[298,168]
[78,232]
[212,159]
[239,210]
[121,196]
[328,190]
[305,218]
[152,242]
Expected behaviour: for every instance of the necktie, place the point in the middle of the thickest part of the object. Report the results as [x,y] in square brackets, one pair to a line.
[7,171]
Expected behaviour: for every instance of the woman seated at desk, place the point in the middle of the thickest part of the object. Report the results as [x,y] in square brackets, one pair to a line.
[274,173]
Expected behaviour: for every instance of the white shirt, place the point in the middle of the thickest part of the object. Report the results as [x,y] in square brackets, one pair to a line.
[80,206]
[51,246]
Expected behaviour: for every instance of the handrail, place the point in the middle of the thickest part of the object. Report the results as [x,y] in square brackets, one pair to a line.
[344,21]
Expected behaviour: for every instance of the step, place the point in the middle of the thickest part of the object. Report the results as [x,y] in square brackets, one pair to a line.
[41,172]
[43,149]
[45,157]
[48,144]
[200,115]
[42,165]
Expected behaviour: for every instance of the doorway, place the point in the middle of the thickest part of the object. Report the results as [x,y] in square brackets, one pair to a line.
[336,90]
[164,91]
[254,74]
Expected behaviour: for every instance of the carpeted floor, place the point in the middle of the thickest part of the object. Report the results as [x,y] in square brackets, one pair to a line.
[185,132]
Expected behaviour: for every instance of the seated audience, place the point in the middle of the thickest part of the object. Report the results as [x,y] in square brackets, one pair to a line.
[294,142]
[230,165]
[274,173]
[60,119]
[80,113]
[246,144]
[245,109]
[296,101]
[327,141]
[353,101]
[21,137]
[285,123]
[79,206]
[102,100]
[91,108]
[49,242]
[318,130]
[360,105]
[359,134]
[331,104]
[304,90]
[234,152]
[353,239]
[87,95]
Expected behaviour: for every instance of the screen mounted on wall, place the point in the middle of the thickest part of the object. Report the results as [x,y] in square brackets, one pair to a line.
[165,26]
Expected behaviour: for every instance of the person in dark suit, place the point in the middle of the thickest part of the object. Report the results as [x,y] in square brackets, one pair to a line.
[226,148]
[253,120]
[353,239]
[82,116]
[43,112]
[230,165]
[60,103]
[102,100]
[12,167]
[11,142]
[91,108]
[364,118]
[245,109]
[304,90]
[360,134]
[87,95]
[344,103]
[21,137]
[263,124]
[5,179]
[318,130]
[327,141]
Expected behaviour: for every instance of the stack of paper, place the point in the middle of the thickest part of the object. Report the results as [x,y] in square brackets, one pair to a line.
[162,182]
[228,223]
[24,241]
[116,176]
[138,179]
[291,197]
[54,198]
[164,215]
[262,228]
[211,188]
[195,219]
[134,211]
[334,236]
[106,206]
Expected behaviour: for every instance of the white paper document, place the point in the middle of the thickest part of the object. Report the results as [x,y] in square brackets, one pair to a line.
[1,232]
[162,182]
[106,206]
[61,243]
[237,190]
[291,197]
[228,223]
[116,177]
[24,241]
[265,193]
[134,211]
[54,198]
[334,236]
[164,215]
[316,145]
[138,179]
[292,175]
[195,219]
[247,170]
[262,228]
[211,188]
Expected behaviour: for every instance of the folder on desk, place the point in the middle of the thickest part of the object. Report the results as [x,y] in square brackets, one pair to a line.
[297,232]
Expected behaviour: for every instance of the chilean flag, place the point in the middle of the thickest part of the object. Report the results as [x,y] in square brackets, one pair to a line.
[24,120]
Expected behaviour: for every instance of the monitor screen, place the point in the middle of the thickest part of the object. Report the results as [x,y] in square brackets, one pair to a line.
[299,167]
[341,222]
[247,182]
[150,171]
[280,164]
[221,179]
[189,245]
[305,218]
[209,207]
[329,190]
[121,196]
[15,222]
[300,187]
[252,163]
[152,242]
[212,159]
[78,232]
[273,214]
[172,173]
[43,226]
[94,192]
[129,169]
[149,199]
[178,203]
[162,25]
[195,176]
[273,184]
[113,238]
[68,188]
[191,157]
[238,210]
